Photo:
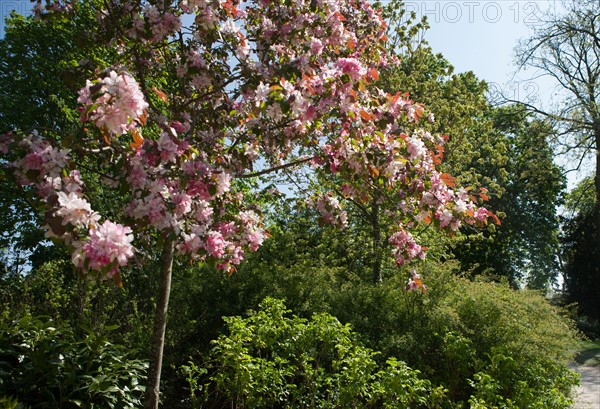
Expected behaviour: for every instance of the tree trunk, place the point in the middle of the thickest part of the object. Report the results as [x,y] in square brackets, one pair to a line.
[597,185]
[377,278]
[160,326]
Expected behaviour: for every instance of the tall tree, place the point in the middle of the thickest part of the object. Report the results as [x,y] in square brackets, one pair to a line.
[566,47]
[581,261]
[525,248]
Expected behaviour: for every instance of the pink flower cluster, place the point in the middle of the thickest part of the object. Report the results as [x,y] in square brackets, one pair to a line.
[107,248]
[154,24]
[415,283]
[114,103]
[41,160]
[405,248]
[331,211]
[174,190]
[71,218]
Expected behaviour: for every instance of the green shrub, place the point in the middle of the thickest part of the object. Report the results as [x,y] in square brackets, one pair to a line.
[46,367]
[454,334]
[272,360]
[507,384]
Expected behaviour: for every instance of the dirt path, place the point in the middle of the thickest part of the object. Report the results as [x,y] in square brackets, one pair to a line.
[588,393]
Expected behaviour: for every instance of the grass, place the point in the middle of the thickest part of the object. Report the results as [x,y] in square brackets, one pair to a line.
[589,354]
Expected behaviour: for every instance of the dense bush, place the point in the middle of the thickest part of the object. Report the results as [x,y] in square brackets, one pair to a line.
[274,360]
[46,367]
[458,335]
[469,335]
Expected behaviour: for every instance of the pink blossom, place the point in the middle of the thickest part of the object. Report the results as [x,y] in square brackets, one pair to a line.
[445,217]
[215,244]
[316,46]
[109,246]
[481,214]
[191,243]
[352,67]
[331,211]
[75,210]
[182,202]
[415,283]
[118,107]
[416,148]
[167,148]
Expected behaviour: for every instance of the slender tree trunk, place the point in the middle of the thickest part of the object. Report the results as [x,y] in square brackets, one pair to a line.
[377,278]
[597,186]
[160,326]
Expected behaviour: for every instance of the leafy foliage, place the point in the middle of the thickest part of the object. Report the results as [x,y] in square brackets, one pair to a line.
[580,254]
[271,360]
[524,248]
[47,367]
[454,331]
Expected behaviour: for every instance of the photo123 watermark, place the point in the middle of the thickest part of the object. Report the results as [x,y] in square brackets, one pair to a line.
[523,91]
[493,12]
[7,7]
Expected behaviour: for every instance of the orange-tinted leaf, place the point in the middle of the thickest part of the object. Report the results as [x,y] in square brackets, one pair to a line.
[470,213]
[340,16]
[142,119]
[351,45]
[106,136]
[436,158]
[484,197]
[374,74]
[138,140]
[373,171]
[161,95]
[394,98]
[366,115]
[495,218]
[448,179]
[419,109]
[230,8]
[118,281]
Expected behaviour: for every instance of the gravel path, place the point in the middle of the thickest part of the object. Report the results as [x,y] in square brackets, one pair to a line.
[588,393]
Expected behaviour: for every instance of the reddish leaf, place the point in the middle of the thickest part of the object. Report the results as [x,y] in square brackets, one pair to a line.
[366,115]
[161,95]
[374,74]
[138,140]
[448,179]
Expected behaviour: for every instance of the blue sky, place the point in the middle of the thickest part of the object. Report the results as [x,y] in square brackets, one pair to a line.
[480,36]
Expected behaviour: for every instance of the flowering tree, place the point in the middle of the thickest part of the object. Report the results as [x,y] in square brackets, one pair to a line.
[206,92]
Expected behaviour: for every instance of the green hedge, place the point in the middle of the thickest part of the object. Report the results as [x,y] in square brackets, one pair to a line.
[43,366]
[273,359]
